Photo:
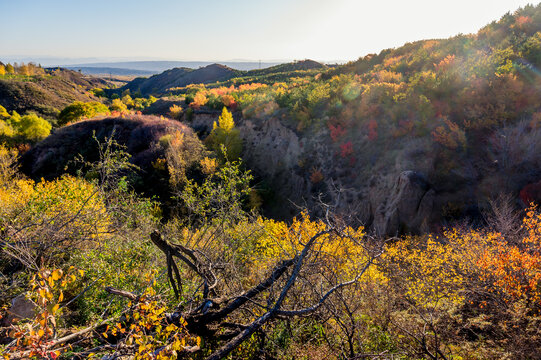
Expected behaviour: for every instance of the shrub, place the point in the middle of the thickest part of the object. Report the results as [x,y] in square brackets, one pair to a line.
[118,105]
[80,110]
[175,111]
[33,128]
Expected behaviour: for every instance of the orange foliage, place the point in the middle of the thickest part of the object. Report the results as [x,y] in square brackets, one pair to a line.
[445,64]
[316,176]
[199,100]
[515,270]
[229,101]
[450,135]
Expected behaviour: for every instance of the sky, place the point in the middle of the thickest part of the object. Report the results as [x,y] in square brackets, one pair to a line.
[214,30]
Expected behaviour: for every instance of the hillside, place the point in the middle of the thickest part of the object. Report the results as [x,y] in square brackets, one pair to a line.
[456,121]
[48,93]
[139,134]
[179,77]
[288,67]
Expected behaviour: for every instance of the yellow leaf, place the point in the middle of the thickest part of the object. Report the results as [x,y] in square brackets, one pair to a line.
[57,274]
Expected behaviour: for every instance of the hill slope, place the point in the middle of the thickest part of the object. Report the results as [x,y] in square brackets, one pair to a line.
[46,94]
[139,134]
[456,120]
[179,77]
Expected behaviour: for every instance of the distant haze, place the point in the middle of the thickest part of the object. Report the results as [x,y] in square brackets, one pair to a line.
[159,66]
[56,32]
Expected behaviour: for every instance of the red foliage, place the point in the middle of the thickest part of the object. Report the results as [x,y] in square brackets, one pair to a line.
[522,21]
[531,193]
[336,132]
[346,149]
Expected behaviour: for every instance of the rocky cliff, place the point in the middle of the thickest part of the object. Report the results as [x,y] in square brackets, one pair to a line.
[289,163]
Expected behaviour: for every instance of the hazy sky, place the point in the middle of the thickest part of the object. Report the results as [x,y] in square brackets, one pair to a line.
[235,29]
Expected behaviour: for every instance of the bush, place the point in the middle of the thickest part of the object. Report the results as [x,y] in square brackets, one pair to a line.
[33,128]
[175,111]
[118,105]
[80,110]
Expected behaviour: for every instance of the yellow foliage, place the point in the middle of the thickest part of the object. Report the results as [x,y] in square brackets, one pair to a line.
[175,111]
[52,216]
[429,270]
[225,121]
[148,332]
[200,99]
[208,165]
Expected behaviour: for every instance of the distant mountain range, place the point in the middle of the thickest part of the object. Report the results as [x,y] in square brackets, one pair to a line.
[89,70]
[142,68]
[160,84]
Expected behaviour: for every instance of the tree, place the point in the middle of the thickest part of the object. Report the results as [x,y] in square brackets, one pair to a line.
[34,128]
[224,135]
[80,110]
[10,69]
[127,100]
[2,70]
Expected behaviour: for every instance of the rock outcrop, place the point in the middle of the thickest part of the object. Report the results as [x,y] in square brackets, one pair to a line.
[273,152]
[408,207]
[390,204]
[21,308]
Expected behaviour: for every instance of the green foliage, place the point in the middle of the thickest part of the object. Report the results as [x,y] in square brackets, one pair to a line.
[121,263]
[142,103]
[224,135]
[220,196]
[28,128]
[33,128]
[10,69]
[80,110]
[98,92]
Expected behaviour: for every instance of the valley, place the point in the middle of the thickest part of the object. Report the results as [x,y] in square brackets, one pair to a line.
[381,208]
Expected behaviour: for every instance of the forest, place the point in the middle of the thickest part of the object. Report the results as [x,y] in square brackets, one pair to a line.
[386,208]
